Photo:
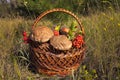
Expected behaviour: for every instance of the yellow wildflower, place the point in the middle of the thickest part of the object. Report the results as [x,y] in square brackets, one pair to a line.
[104,29]
[84,66]
[95,76]
[94,71]
[111,18]
[25,3]
[103,14]
[118,24]
[86,72]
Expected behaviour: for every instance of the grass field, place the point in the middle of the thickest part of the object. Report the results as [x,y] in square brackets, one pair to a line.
[102,61]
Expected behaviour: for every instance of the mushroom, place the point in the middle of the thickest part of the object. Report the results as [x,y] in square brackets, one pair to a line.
[61,42]
[41,34]
[64,31]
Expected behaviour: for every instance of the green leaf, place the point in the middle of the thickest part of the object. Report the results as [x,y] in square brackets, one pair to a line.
[71,34]
[57,28]
[73,26]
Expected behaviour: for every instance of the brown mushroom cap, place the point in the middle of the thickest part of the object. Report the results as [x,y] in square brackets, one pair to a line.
[61,42]
[41,34]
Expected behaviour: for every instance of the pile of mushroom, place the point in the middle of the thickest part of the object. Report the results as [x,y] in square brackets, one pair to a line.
[61,42]
[41,34]
[44,34]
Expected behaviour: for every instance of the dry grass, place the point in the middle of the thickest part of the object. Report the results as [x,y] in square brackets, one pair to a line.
[102,60]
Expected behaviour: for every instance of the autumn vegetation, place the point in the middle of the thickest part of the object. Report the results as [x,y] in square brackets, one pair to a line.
[101,22]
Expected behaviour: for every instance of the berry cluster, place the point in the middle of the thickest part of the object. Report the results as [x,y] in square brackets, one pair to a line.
[78,41]
[25,38]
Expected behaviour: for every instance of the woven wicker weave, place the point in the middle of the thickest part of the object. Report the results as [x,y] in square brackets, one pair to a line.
[50,61]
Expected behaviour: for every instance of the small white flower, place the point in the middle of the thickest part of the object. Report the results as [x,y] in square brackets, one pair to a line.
[25,3]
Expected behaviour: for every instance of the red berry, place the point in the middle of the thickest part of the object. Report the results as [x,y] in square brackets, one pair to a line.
[56,33]
[25,38]
[24,33]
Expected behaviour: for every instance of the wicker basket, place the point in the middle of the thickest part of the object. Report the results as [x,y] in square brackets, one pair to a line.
[50,61]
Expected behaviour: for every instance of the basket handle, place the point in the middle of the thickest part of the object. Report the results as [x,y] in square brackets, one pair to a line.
[58,10]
